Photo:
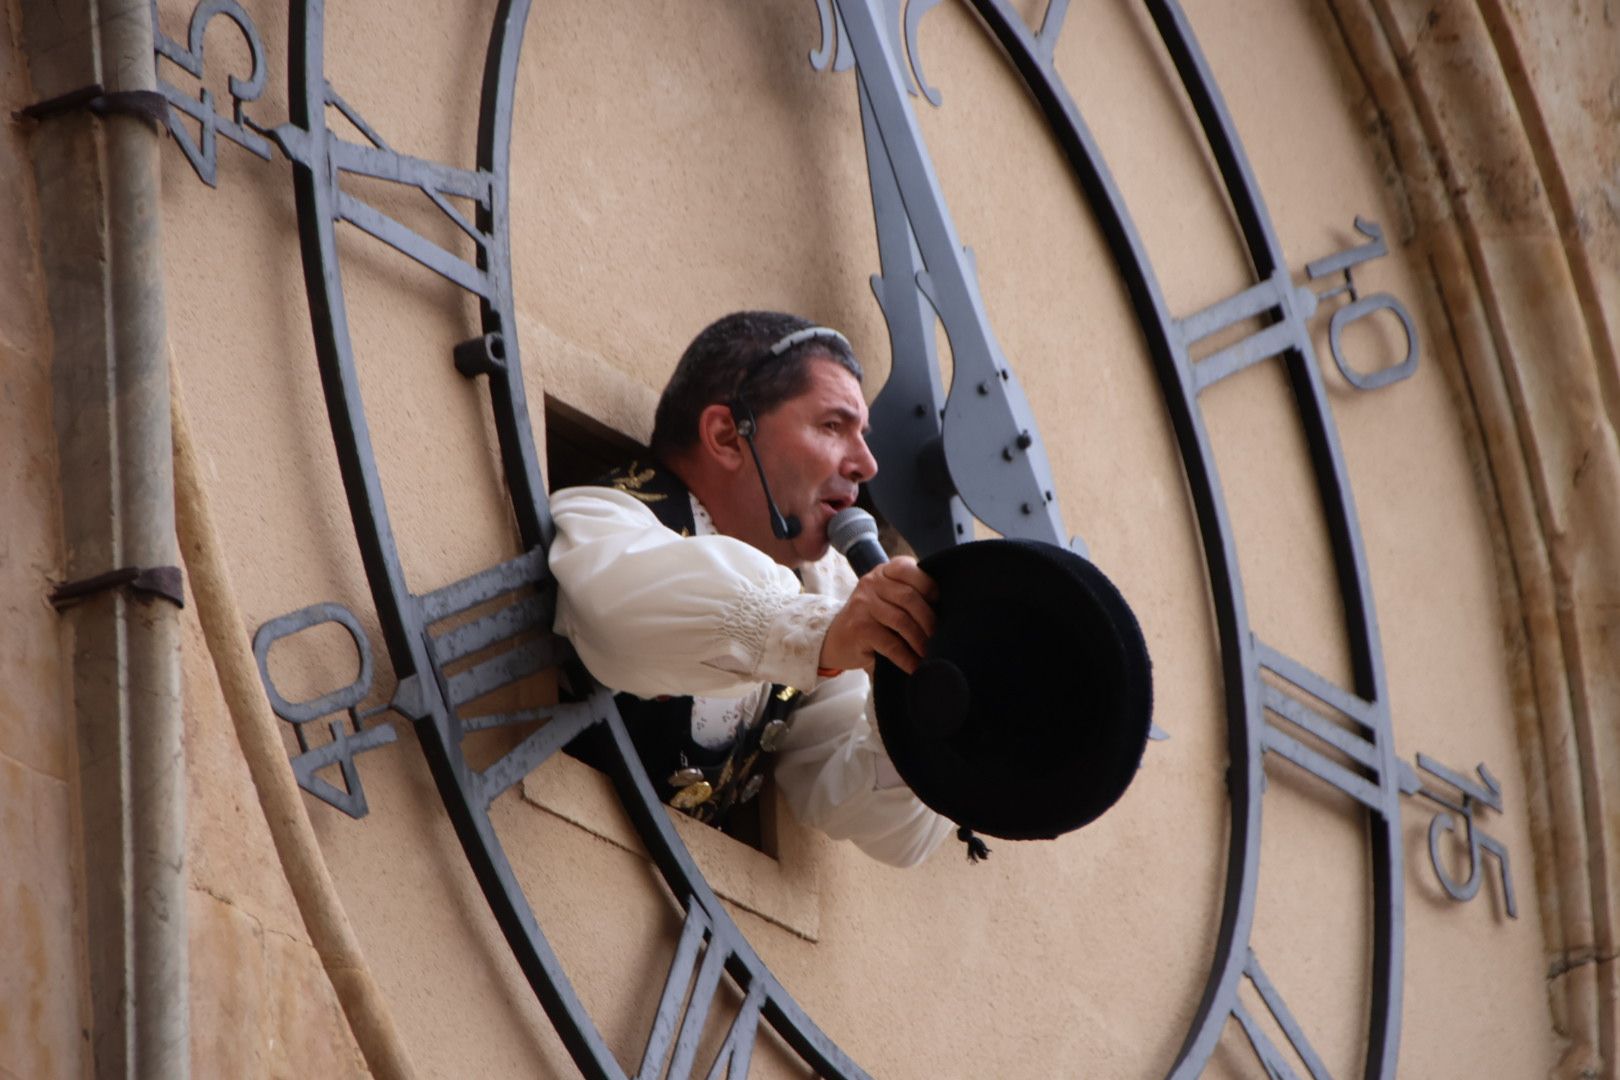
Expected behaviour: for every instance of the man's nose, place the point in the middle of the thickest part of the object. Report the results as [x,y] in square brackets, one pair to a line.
[862,465]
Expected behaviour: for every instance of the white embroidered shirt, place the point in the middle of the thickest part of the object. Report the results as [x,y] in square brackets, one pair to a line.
[651,612]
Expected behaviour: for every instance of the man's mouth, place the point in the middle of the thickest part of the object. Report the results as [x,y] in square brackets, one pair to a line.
[837,503]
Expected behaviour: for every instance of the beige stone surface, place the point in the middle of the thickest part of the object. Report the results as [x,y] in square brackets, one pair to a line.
[229,851]
[33,726]
[42,1012]
[781,890]
[261,1003]
[1569,74]
[43,1009]
[1527,300]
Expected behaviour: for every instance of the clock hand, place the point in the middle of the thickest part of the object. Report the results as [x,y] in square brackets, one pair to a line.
[988,442]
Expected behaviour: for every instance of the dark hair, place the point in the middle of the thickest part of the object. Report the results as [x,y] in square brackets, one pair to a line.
[729,353]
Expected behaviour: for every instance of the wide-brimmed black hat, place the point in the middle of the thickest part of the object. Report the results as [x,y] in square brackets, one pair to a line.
[1029,715]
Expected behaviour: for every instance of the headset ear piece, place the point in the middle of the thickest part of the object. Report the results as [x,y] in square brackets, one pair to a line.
[783,528]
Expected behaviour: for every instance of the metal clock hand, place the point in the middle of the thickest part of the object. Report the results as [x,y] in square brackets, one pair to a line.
[990,450]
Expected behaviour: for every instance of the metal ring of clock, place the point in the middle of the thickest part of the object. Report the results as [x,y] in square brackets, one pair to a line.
[1381,778]
[426,634]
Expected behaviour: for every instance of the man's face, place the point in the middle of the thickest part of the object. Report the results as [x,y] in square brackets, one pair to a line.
[814,451]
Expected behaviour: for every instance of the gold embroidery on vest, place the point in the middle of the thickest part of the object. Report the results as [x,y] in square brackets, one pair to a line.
[631,482]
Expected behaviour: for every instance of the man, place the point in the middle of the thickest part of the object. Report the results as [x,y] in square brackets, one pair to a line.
[686,578]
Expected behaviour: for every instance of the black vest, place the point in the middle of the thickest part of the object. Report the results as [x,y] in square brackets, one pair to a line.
[706,783]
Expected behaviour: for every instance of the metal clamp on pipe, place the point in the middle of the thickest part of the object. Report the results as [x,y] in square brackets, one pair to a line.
[149,105]
[166,582]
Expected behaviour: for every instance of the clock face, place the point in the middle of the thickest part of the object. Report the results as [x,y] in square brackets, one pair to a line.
[1175,416]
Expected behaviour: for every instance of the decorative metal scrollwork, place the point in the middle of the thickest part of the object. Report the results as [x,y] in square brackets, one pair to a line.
[915,10]
[835,46]
[1275,1063]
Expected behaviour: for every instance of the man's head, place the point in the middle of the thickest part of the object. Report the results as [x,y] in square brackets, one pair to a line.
[810,420]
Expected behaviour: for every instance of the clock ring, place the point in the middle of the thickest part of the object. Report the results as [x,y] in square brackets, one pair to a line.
[431,637]
[1261,718]
[426,634]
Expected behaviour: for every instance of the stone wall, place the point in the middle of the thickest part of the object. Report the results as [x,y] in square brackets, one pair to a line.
[42,967]
[674,162]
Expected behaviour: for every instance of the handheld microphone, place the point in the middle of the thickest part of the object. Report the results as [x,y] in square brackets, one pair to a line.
[853,532]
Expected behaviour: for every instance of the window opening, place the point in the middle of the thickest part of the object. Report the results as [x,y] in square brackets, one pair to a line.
[580,449]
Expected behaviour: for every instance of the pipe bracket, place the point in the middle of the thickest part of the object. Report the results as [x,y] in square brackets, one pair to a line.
[148,105]
[165,582]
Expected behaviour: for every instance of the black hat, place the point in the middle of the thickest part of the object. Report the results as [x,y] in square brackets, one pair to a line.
[1029,715]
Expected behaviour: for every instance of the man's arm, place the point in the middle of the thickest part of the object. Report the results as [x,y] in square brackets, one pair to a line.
[651,612]
[836,776]
[832,767]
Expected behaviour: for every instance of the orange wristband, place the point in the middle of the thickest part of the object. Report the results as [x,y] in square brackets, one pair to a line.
[828,672]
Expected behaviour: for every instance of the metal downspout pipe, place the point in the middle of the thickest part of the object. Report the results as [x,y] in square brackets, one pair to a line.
[139,336]
[101,225]
[139,333]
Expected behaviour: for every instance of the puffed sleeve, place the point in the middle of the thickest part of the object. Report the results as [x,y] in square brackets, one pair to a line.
[832,768]
[836,776]
[652,612]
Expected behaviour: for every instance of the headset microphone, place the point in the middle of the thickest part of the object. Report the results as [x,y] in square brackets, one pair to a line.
[783,528]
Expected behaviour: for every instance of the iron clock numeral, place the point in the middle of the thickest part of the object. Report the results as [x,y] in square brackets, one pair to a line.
[1046,38]
[684,1007]
[1288,307]
[380,161]
[341,751]
[1465,805]
[1274,298]
[202,152]
[1276,1065]
[1378,778]
[349,737]
[1363,307]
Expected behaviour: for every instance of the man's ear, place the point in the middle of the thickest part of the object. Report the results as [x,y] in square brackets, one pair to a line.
[718,438]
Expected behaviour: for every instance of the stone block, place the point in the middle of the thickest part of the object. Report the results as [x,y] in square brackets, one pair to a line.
[42,1015]
[261,1004]
[229,847]
[309,1035]
[228,1029]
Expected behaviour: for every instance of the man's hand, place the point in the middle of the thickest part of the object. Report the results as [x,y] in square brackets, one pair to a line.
[889,613]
